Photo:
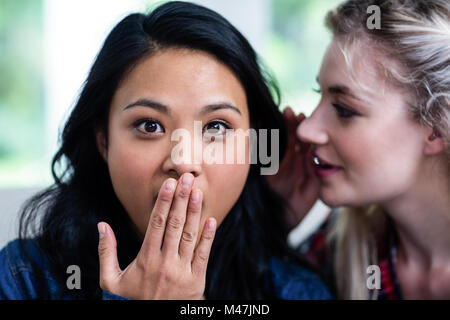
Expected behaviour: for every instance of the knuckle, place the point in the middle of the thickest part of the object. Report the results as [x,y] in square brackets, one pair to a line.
[158,221]
[148,269]
[162,274]
[202,257]
[195,208]
[165,198]
[102,249]
[184,193]
[142,263]
[166,273]
[176,222]
[208,236]
[189,236]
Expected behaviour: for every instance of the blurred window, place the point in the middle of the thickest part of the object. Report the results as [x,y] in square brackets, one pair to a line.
[47,47]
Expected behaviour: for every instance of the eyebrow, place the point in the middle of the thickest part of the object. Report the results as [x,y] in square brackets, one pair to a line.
[166,110]
[149,104]
[341,89]
[218,106]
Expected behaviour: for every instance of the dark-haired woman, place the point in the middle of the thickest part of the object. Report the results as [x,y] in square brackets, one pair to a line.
[121,194]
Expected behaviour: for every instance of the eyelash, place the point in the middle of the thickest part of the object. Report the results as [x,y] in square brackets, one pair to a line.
[221,122]
[140,122]
[342,111]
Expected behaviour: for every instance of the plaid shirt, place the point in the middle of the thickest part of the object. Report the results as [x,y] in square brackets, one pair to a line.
[320,252]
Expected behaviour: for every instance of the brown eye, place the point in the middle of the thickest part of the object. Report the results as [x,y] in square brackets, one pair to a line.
[216,128]
[150,126]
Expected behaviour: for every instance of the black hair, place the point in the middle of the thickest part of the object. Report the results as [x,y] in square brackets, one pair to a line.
[82,194]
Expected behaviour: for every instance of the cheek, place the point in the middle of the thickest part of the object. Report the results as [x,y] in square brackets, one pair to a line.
[227,176]
[131,169]
[393,149]
[380,160]
[225,185]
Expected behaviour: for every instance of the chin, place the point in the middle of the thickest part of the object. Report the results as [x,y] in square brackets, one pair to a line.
[328,199]
[332,204]
[334,201]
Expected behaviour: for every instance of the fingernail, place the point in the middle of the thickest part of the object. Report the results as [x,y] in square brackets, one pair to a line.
[211,224]
[101,230]
[195,196]
[170,185]
[187,180]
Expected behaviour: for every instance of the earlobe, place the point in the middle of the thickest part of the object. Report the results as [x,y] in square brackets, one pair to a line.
[101,144]
[435,143]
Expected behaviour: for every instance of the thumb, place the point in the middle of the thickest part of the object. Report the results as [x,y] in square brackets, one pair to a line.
[301,117]
[290,117]
[107,252]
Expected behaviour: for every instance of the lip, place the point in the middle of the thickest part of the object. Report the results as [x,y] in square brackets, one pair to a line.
[324,172]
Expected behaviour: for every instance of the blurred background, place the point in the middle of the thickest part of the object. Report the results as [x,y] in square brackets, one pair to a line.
[48,46]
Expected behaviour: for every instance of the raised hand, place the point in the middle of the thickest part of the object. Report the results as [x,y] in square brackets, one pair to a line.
[295,181]
[171,263]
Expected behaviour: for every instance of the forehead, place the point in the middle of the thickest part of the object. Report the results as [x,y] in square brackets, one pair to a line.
[345,64]
[176,77]
[363,68]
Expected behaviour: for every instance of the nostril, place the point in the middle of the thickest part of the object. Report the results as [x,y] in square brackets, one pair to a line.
[174,174]
[195,174]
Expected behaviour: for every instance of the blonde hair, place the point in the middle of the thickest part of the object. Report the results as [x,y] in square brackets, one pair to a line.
[415,34]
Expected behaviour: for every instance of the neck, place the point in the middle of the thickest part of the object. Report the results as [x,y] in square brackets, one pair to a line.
[422,220]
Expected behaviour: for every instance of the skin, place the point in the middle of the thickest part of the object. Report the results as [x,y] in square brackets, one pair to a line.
[181,86]
[295,181]
[386,158]
[379,140]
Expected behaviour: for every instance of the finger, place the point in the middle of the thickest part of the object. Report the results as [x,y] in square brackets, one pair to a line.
[177,215]
[305,165]
[292,140]
[308,163]
[290,118]
[300,118]
[190,232]
[305,149]
[297,147]
[288,113]
[201,255]
[157,223]
[299,144]
[107,252]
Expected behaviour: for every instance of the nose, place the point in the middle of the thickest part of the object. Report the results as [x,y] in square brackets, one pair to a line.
[183,159]
[177,170]
[313,129]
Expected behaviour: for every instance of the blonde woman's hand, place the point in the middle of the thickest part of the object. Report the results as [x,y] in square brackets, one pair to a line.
[170,263]
[295,181]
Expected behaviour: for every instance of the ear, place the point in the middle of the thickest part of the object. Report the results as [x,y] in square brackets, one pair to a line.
[101,144]
[434,143]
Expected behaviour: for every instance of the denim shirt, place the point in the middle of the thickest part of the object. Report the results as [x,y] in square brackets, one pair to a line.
[18,280]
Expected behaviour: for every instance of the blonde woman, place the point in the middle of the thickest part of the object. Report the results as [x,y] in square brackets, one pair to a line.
[380,152]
